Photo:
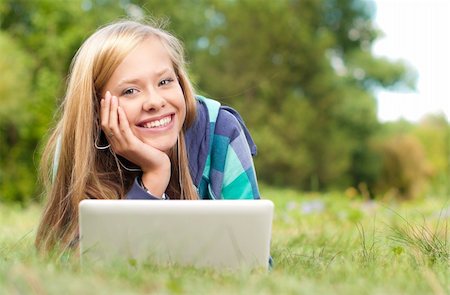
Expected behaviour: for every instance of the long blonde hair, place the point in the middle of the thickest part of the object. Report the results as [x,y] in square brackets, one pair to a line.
[82,170]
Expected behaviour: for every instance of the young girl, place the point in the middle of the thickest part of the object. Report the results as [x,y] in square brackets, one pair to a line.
[131,127]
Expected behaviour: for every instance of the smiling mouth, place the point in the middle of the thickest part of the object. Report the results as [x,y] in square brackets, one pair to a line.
[157,123]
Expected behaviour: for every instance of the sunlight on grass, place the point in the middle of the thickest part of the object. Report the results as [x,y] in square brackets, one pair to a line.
[321,243]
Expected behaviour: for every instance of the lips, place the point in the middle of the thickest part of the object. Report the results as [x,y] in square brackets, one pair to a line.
[156,123]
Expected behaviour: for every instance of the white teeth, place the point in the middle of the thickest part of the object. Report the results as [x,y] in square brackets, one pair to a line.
[159,123]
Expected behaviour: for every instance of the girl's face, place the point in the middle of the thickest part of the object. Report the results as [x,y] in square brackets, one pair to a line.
[147,89]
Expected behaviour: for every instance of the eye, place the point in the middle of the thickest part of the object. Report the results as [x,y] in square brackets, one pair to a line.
[129,91]
[165,82]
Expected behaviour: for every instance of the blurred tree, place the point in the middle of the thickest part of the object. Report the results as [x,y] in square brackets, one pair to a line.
[303,75]
[300,71]
[47,33]
[434,134]
[405,167]
[15,86]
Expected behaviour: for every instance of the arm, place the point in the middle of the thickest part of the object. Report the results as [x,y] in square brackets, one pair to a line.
[137,192]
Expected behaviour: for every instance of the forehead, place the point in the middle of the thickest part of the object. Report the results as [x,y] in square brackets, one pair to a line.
[148,57]
[150,49]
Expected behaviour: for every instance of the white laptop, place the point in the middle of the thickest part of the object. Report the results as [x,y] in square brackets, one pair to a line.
[219,234]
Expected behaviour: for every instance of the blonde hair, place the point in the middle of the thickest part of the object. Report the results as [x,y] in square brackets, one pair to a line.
[82,170]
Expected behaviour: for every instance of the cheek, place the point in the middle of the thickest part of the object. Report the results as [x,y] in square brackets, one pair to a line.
[130,110]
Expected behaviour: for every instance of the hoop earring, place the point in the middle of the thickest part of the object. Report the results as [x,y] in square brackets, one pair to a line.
[118,161]
[98,146]
[126,168]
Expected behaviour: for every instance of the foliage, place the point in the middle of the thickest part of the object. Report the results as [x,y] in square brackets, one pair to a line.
[321,244]
[405,168]
[434,134]
[302,82]
[47,33]
[14,119]
[301,73]
[420,151]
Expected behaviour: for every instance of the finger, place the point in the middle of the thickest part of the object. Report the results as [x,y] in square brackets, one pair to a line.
[123,121]
[113,120]
[104,112]
[125,126]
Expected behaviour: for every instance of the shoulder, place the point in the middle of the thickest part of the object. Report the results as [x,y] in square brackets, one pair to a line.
[223,121]
[227,124]
[208,108]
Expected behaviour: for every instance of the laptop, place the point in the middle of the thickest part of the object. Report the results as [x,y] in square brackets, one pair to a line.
[218,234]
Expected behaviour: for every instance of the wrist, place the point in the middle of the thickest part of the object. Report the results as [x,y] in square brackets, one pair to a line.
[162,196]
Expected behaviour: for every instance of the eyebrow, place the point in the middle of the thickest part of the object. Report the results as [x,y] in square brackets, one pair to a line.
[136,80]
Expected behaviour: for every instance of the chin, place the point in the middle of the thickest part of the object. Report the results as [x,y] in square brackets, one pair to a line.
[163,147]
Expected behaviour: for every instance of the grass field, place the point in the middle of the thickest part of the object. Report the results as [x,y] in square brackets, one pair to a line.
[321,244]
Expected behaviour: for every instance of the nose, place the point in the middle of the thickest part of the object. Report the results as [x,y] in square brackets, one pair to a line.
[153,101]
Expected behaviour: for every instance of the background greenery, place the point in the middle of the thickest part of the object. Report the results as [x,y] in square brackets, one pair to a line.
[301,72]
[303,75]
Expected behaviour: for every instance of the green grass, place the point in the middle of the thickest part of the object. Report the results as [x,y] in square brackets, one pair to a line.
[321,244]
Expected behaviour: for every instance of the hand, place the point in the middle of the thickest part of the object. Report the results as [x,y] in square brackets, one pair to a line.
[154,163]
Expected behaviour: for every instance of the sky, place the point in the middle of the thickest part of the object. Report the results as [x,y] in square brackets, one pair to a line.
[417,32]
